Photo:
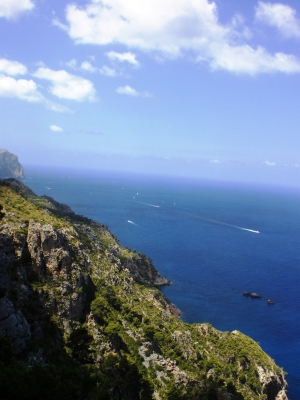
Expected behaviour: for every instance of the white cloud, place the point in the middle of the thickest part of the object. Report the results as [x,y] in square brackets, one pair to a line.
[270,164]
[12,67]
[128,90]
[19,88]
[245,59]
[56,128]
[87,66]
[172,29]
[281,16]
[107,71]
[23,89]
[72,63]
[123,57]
[11,9]
[215,161]
[67,86]
[27,90]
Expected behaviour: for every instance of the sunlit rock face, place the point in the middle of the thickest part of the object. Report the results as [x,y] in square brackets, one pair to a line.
[72,296]
[10,166]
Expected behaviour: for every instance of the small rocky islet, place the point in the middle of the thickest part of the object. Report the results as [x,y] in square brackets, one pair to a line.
[257,296]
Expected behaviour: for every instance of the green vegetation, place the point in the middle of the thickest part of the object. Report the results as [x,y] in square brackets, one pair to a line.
[106,335]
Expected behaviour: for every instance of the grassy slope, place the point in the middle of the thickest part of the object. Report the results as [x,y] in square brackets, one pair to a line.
[130,338]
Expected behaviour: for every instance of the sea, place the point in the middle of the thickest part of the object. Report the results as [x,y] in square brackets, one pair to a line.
[213,240]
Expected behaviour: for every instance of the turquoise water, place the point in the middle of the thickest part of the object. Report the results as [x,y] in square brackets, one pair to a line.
[201,235]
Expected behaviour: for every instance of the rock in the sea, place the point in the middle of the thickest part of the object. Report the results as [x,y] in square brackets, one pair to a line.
[10,166]
[255,296]
[252,295]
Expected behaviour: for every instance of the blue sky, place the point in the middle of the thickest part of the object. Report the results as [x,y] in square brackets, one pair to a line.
[177,87]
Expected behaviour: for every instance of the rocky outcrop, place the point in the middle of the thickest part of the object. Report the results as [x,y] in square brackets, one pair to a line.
[142,270]
[71,302]
[13,325]
[49,248]
[52,253]
[163,366]
[10,166]
[274,385]
[59,206]
[20,187]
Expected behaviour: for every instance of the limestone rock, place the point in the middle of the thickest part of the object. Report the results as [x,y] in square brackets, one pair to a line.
[49,248]
[282,395]
[10,166]
[141,269]
[59,206]
[13,325]
[20,187]
[274,384]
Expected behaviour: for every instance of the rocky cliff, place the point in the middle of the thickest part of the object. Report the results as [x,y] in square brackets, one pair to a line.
[10,166]
[81,317]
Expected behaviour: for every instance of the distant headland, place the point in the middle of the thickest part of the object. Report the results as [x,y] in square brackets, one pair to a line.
[10,166]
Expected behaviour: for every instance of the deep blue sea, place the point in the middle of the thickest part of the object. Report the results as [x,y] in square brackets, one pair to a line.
[201,235]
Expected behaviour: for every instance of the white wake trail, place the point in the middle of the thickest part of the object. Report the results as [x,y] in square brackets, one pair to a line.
[249,230]
[150,205]
[220,222]
[131,222]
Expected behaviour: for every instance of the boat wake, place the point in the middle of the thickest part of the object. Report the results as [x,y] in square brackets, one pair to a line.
[220,222]
[150,205]
[249,230]
[203,218]
[131,222]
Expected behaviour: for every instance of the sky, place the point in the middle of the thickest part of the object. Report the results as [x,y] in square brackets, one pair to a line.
[195,88]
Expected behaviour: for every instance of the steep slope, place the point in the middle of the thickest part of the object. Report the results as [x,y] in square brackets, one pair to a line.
[9,165]
[81,317]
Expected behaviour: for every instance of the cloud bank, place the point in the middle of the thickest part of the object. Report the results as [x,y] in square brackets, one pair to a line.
[174,28]
[23,89]
[11,9]
[280,16]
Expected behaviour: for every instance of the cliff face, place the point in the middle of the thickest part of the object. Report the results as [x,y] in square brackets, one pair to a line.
[10,166]
[84,316]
